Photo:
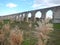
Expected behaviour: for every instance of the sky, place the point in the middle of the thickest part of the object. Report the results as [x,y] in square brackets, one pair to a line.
[16,6]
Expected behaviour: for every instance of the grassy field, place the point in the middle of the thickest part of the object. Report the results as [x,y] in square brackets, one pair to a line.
[29,33]
[56,25]
[55,35]
[17,32]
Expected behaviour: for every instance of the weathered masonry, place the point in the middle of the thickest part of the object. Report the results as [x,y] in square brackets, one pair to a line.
[24,15]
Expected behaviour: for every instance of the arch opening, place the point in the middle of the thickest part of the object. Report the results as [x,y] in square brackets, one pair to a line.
[29,16]
[38,15]
[20,15]
[49,14]
[23,15]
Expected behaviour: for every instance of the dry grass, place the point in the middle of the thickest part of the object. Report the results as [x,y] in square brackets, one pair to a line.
[16,37]
[42,32]
[6,28]
[2,36]
[11,36]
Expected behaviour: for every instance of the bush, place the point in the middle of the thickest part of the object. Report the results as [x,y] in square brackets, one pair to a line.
[6,21]
[1,25]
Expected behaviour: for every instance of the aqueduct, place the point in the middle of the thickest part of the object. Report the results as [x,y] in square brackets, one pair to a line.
[24,15]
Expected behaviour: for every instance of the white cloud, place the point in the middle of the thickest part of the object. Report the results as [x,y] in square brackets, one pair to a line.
[45,3]
[11,5]
[36,5]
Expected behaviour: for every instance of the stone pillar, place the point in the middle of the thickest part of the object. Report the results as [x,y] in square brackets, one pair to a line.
[15,17]
[56,15]
[33,16]
[43,16]
[11,18]
[26,17]
[18,18]
[22,17]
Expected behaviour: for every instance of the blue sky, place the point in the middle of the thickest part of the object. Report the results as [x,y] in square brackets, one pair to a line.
[15,6]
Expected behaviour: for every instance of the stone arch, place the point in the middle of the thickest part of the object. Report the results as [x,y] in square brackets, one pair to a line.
[38,15]
[49,14]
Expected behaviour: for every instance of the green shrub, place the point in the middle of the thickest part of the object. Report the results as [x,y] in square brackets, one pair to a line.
[1,25]
[6,21]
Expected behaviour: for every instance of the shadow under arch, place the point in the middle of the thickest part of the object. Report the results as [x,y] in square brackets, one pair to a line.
[38,15]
